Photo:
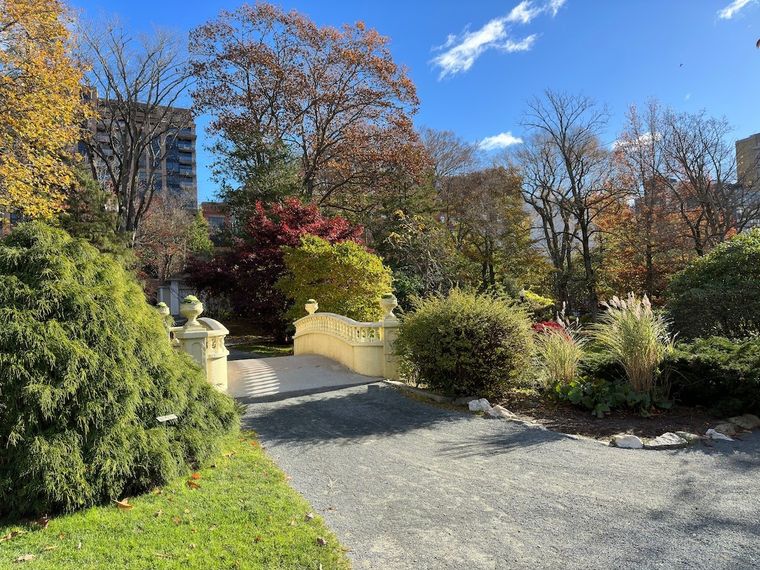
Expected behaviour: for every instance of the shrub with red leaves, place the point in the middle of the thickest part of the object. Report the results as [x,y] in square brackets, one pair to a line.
[547,327]
[246,273]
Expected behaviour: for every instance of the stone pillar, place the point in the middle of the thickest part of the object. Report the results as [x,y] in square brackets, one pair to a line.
[390,333]
[203,339]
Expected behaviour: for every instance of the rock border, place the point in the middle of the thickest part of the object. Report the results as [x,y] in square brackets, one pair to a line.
[723,431]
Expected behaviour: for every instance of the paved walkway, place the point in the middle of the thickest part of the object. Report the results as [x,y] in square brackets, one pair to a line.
[408,485]
[257,379]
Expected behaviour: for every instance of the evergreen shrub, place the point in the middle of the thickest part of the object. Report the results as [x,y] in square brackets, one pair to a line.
[85,370]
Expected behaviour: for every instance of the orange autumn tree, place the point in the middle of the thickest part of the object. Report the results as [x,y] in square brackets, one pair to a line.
[334,99]
[40,106]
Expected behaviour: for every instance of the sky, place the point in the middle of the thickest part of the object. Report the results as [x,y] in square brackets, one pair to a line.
[477,63]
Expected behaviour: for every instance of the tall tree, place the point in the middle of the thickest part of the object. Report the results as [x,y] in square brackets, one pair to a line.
[484,212]
[547,196]
[138,81]
[572,126]
[645,224]
[334,97]
[448,153]
[40,106]
[700,172]
[168,235]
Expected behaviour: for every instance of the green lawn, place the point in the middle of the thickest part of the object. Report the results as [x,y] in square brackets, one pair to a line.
[242,515]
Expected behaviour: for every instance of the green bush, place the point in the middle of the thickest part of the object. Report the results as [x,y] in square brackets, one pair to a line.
[465,344]
[85,370]
[719,293]
[602,396]
[540,308]
[343,277]
[718,373]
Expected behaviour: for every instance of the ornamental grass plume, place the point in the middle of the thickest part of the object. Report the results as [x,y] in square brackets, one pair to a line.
[637,337]
[560,351]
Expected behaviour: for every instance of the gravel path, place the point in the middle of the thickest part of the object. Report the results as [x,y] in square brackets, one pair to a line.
[408,485]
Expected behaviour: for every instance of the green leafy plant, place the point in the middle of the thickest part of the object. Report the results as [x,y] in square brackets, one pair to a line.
[465,344]
[344,278]
[540,307]
[602,396]
[636,337]
[85,371]
[719,293]
[560,352]
[718,373]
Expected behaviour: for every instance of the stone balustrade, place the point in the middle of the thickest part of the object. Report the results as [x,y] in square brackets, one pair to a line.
[203,339]
[364,347]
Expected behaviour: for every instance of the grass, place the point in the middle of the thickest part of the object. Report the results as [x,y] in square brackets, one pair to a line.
[265,350]
[242,515]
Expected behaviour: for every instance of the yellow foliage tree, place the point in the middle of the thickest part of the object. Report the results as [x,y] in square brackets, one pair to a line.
[41,107]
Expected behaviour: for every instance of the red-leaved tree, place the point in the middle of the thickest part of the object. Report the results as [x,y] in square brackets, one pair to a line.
[246,273]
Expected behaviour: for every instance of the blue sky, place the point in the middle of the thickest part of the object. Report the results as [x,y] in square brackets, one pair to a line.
[476,63]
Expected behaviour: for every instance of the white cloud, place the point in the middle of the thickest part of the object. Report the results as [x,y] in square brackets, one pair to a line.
[502,140]
[733,8]
[460,52]
[524,12]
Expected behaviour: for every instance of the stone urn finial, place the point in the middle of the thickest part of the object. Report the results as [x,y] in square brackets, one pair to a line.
[191,308]
[311,306]
[389,302]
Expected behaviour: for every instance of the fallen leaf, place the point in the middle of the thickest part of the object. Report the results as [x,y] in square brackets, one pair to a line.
[187,511]
[192,484]
[195,476]
[309,516]
[176,520]
[50,547]
[192,546]
[321,541]
[258,538]
[61,536]
[11,535]
[43,521]
[25,558]
[158,491]
[79,545]
[255,443]
[158,513]
[293,522]
[212,528]
[124,504]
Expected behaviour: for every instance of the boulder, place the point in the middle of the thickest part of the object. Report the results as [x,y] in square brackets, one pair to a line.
[626,441]
[668,440]
[747,421]
[726,428]
[481,405]
[691,438]
[500,412]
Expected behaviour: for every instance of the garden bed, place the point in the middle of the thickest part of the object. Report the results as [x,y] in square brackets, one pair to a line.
[565,418]
[238,513]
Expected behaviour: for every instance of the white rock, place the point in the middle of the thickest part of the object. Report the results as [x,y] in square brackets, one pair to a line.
[747,421]
[481,405]
[500,412]
[668,440]
[627,441]
[712,434]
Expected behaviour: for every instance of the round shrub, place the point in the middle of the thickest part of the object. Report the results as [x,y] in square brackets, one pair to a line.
[719,293]
[85,370]
[465,344]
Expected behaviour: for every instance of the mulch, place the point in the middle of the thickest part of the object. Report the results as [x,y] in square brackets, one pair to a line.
[565,418]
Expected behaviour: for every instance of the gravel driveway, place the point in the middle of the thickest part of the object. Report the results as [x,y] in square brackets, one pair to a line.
[408,485]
